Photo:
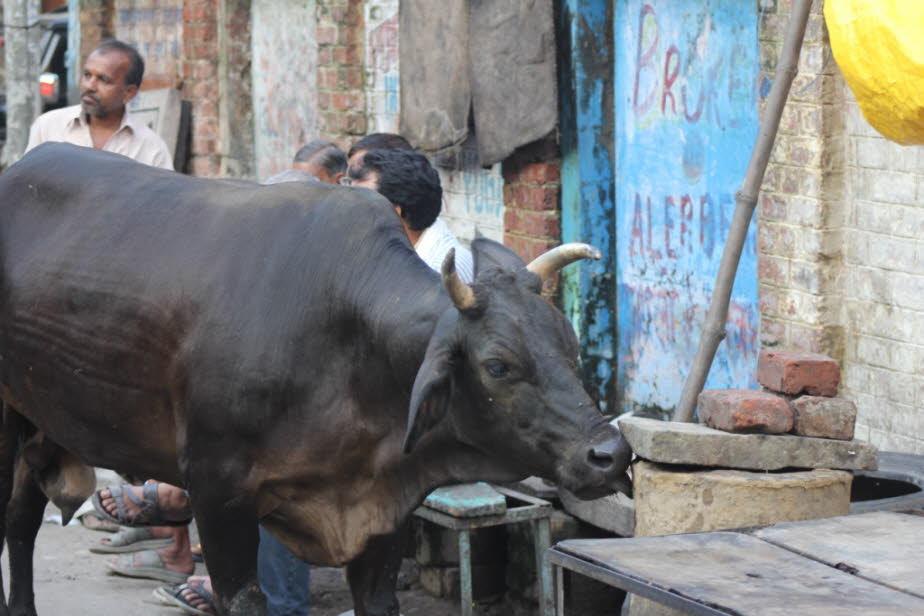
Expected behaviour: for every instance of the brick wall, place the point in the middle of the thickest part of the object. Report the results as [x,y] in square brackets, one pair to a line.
[841,256]
[883,286]
[96,25]
[798,227]
[532,201]
[200,84]
[341,100]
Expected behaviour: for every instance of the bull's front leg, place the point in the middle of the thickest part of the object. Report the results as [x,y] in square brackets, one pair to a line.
[23,519]
[227,524]
[374,573]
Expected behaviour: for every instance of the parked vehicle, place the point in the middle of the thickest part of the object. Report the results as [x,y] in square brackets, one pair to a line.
[53,77]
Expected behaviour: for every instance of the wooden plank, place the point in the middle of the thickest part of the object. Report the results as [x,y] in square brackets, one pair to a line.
[884,547]
[741,574]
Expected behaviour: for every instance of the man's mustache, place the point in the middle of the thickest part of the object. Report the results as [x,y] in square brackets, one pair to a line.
[89,94]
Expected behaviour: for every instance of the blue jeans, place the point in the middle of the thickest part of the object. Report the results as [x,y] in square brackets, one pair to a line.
[283,578]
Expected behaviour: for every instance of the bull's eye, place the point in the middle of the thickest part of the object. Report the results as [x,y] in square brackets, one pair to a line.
[497,369]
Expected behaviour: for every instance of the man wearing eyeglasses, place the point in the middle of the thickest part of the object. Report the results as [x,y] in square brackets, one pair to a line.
[412,186]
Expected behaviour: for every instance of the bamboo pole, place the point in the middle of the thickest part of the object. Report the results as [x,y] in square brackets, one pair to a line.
[745,202]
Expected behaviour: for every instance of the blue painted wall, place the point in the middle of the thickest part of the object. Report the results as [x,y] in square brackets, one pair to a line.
[686,119]
[659,114]
[588,211]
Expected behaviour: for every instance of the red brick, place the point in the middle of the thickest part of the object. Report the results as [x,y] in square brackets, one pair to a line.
[824,417]
[536,224]
[537,173]
[745,410]
[326,35]
[796,372]
[531,197]
[325,56]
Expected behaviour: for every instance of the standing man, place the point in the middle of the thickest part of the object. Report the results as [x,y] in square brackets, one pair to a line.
[412,185]
[111,78]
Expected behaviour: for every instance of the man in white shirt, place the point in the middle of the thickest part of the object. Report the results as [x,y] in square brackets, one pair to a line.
[412,186]
[111,77]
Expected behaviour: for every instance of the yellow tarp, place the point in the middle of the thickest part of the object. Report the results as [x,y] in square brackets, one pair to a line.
[879,46]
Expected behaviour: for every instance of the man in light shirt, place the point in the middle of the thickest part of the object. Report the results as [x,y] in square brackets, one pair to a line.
[412,186]
[111,77]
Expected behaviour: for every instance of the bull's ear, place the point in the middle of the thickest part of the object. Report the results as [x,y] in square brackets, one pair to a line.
[432,390]
[488,253]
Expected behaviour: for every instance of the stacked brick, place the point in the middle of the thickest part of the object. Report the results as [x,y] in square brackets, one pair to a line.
[799,397]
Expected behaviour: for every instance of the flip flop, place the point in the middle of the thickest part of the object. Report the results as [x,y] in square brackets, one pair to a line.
[148,565]
[130,540]
[173,596]
[149,513]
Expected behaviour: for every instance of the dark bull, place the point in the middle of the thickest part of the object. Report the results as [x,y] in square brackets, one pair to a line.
[278,350]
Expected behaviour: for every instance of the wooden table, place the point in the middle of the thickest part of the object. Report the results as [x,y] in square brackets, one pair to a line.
[870,564]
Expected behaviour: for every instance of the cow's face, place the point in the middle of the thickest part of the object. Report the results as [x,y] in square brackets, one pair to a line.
[502,368]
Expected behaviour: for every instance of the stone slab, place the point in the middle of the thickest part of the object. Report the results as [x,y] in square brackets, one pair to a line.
[614,512]
[671,442]
[467,500]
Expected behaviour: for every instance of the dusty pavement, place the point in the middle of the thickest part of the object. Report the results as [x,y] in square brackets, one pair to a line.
[72,581]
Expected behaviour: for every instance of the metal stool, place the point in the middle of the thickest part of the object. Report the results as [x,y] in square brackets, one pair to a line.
[443,508]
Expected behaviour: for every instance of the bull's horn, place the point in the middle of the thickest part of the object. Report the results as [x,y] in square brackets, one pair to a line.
[462,295]
[546,264]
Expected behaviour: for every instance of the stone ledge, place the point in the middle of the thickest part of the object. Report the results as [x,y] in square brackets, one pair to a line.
[671,442]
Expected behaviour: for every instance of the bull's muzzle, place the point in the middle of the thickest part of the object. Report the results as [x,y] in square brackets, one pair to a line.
[606,461]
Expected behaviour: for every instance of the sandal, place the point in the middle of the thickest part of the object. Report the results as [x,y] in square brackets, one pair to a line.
[150,513]
[130,540]
[147,564]
[173,596]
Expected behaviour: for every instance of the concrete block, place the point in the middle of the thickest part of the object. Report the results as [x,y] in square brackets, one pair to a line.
[670,500]
[671,442]
[487,582]
[745,410]
[615,512]
[824,417]
[796,372]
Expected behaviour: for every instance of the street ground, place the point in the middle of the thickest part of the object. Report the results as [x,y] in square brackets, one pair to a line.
[72,581]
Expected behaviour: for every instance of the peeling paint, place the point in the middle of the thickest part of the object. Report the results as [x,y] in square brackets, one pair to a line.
[284,78]
[686,120]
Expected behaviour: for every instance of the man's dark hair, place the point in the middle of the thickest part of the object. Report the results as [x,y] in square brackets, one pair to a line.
[407,179]
[380,141]
[324,154]
[135,62]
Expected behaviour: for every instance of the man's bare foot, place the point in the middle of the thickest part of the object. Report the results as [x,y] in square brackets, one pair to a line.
[173,502]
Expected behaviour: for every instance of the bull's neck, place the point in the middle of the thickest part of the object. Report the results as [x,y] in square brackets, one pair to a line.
[402,300]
